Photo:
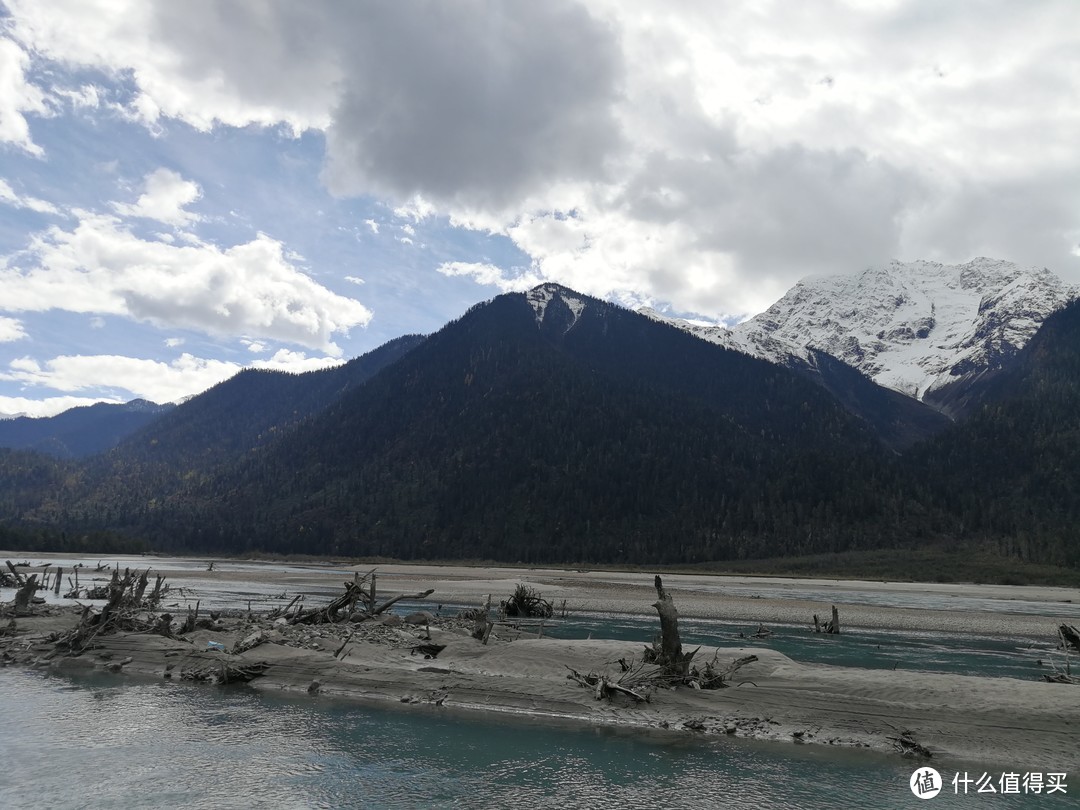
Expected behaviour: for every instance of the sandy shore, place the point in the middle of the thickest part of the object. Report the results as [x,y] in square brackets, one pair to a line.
[961,719]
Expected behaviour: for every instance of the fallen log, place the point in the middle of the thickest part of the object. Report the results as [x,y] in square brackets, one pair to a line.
[340,609]
[222,672]
[19,578]
[391,602]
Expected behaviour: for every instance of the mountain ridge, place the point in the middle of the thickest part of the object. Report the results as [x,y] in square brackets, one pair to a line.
[925,329]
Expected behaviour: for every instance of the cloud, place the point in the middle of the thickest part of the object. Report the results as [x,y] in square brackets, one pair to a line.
[475,104]
[146,379]
[708,156]
[296,362]
[136,378]
[11,330]
[167,195]
[491,275]
[249,289]
[202,63]
[18,98]
[50,406]
[9,197]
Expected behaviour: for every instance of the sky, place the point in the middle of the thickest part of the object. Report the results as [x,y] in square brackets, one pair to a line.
[190,189]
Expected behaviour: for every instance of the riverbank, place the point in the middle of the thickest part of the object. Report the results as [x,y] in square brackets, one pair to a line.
[958,718]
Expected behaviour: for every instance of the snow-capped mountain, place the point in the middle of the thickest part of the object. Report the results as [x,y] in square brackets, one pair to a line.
[539,298]
[915,327]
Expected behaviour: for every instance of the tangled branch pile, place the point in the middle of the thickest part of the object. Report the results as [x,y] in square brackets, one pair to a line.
[128,608]
[527,603]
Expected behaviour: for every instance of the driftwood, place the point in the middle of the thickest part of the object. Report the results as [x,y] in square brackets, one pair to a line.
[24,597]
[340,609]
[224,671]
[125,609]
[669,655]
[390,602]
[16,575]
[482,624]
[832,626]
[527,602]
[190,623]
[1070,637]
[711,677]
[665,665]
[907,745]
[360,591]
[604,687]
[278,612]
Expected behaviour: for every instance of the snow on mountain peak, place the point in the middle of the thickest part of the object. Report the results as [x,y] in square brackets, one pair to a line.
[539,298]
[914,327]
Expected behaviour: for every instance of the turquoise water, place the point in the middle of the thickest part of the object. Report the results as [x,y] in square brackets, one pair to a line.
[963,654]
[109,742]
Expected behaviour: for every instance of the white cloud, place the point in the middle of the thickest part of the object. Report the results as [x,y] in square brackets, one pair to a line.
[173,342]
[17,98]
[373,225]
[146,379]
[86,97]
[707,156]
[354,280]
[167,195]
[248,289]
[11,330]
[9,197]
[138,378]
[189,63]
[50,406]
[489,274]
[296,362]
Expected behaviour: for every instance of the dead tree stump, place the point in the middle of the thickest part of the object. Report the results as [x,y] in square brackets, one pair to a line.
[671,656]
[25,595]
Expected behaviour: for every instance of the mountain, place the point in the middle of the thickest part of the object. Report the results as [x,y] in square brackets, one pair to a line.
[1008,474]
[927,330]
[80,432]
[551,426]
[249,409]
[548,426]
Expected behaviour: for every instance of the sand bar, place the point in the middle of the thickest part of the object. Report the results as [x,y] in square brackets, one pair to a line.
[959,718]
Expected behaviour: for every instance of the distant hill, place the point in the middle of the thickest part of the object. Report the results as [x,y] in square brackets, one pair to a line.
[80,432]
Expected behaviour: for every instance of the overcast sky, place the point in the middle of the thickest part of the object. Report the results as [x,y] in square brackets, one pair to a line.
[190,188]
